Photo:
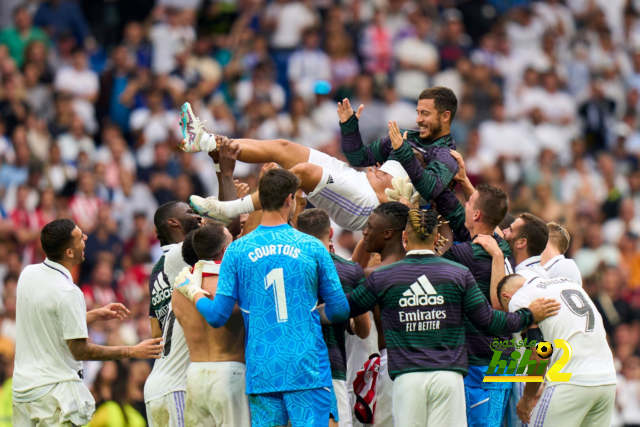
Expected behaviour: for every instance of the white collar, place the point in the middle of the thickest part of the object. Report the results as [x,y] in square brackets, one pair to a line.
[421,252]
[167,248]
[52,265]
[553,261]
[528,262]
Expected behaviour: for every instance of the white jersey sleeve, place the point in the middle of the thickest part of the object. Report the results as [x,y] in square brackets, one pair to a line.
[579,323]
[563,267]
[72,311]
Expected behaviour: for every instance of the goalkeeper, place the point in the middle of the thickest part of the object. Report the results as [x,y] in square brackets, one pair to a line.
[347,195]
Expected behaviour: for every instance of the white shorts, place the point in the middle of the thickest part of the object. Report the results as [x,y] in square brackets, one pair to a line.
[383,417]
[343,192]
[344,402]
[167,411]
[69,403]
[429,399]
[216,395]
[570,405]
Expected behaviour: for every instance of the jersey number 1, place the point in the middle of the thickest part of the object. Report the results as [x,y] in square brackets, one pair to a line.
[276,278]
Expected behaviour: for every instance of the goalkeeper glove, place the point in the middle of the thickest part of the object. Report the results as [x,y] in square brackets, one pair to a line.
[402,188]
[189,284]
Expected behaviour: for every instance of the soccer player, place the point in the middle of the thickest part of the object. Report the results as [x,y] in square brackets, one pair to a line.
[423,299]
[164,391]
[383,236]
[216,376]
[436,109]
[316,223]
[528,237]
[483,211]
[347,195]
[51,338]
[275,274]
[588,399]
[553,260]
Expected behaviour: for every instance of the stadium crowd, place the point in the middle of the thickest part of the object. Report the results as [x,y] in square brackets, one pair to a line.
[90,94]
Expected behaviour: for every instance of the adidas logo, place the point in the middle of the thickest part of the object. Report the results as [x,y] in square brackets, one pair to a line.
[421,292]
[330,180]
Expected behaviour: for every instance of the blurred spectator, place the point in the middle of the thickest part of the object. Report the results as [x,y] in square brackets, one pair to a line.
[103,246]
[85,204]
[81,82]
[58,17]
[609,302]
[307,65]
[23,32]
[169,37]
[99,292]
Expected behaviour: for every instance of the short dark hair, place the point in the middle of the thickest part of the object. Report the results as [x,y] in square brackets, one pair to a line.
[189,255]
[314,222]
[274,188]
[161,217]
[503,282]
[208,241]
[56,238]
[443,99]
[536,232]
[493,203]
[395,214]
[559,236]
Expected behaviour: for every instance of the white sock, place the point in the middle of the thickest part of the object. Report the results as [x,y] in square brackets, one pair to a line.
[208,142]
[238,207]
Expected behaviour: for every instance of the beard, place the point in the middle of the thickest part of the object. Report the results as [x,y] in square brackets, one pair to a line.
[435,129]
[190,223]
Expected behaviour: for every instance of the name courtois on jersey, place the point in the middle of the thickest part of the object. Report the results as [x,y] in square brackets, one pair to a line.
[268,250]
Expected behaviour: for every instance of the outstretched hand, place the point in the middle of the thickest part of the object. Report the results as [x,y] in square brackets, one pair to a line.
[345,111]
[242,189]
[111,311]
[396,137]
[267,167]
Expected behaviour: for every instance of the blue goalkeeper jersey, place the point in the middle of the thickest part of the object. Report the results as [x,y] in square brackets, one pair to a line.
[276,274]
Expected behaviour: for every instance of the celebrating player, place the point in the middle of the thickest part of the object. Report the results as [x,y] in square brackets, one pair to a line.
[422,300]
[216,375]
[553,260]
[51,338]
[164,391]
[275,274]
[436,109]
[383,236]
[589,397]
[316,223]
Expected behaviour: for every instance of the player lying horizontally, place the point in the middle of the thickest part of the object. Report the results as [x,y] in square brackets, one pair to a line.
[348,196]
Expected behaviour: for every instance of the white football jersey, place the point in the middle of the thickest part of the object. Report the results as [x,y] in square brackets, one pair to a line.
[169,373]
[559,266]
[530,268]
[579,323]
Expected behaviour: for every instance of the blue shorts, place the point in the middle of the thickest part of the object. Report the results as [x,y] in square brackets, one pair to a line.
[486,402]
[304,408]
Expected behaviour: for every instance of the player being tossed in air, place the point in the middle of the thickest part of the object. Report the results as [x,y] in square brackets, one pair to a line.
[217,355]
[316,223]
[275,273]
[588,399]
[423,300]
[348,196]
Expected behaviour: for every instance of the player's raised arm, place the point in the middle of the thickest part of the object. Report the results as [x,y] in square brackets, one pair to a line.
[479,311]
[330,289]
[354,149]
[440,171]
